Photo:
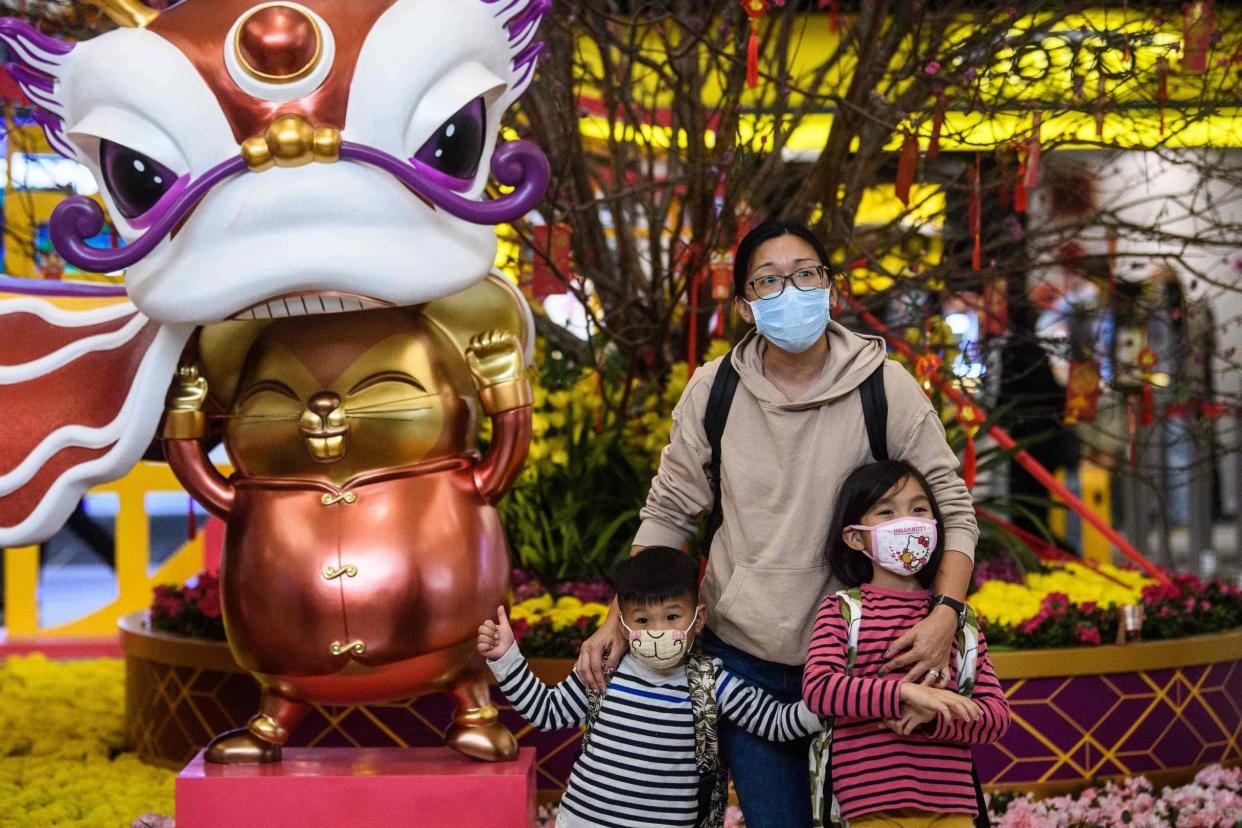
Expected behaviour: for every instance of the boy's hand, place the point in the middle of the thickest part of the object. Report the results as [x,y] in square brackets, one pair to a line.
[932,702]
[495,637]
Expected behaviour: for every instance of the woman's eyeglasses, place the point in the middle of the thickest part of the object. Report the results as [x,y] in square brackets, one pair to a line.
[770,285]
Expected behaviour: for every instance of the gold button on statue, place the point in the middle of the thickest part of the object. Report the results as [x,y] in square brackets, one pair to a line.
[331,572]
[340,648]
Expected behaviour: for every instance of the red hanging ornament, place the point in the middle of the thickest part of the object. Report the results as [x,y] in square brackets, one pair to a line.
[1198,24]
[1082,392]
[937,122]
[971,419]
[191,529]
[754,9]
[552,260]
[906,164]
[975,212]
[996,307]
[925,368]
[1162,88]
[1019,186]
[834,14]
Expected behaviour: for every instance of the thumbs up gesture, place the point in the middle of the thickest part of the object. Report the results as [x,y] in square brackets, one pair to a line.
[495,637]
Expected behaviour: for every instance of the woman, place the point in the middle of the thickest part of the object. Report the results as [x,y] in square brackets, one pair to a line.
[795,430]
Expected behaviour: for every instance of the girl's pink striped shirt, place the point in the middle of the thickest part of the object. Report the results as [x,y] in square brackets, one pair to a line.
[873,768]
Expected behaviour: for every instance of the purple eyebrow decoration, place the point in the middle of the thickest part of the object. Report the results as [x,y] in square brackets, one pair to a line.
[517,164]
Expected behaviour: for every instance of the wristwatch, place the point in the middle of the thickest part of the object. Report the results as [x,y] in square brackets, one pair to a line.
[953,604]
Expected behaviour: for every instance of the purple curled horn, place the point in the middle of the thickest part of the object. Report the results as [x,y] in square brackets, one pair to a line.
[517,164]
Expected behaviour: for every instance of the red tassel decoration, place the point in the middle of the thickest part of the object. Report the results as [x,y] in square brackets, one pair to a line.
[969,462]
[906,165]
[191,529]
[752,59]
[937,121]
[1032,152]
[754,9]
[976,217]
[1019,185]
[1162,88]
[970,418]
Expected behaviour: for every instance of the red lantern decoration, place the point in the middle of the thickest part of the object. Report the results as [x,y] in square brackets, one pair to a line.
[754,9]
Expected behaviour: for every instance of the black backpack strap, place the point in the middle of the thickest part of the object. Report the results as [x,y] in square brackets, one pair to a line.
[875,412]
[718,403]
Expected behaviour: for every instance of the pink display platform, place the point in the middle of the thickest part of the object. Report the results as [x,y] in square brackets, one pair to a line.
[372,787]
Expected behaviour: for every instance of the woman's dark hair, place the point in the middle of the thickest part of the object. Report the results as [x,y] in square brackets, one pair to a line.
[861,490]
[656,574]
[767,231]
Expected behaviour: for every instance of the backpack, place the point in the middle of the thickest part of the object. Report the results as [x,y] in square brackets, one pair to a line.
[850,602]
[713,775]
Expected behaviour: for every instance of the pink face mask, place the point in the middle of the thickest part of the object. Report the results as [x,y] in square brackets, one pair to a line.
[902,545]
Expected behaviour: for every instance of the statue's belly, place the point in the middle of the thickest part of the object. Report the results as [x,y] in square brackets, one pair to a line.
[315,581]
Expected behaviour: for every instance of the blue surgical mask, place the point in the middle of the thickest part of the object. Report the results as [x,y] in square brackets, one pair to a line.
[794,320]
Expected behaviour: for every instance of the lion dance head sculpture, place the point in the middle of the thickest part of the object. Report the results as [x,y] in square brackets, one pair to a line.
[302,188]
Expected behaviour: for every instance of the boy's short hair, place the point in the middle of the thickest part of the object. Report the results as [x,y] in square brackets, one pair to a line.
[658,573]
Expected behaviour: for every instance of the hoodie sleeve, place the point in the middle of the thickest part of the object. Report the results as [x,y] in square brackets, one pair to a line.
[680,496]
[925,446]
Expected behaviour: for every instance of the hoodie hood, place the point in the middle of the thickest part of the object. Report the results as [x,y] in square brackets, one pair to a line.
[851,359]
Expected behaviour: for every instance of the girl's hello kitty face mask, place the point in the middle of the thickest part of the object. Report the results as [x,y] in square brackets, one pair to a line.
[902,545]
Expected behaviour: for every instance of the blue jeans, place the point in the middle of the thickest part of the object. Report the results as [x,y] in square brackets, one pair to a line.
[772,779]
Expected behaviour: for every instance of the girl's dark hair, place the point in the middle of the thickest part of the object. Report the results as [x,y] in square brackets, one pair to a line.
[767,231]
[861,490]
[655,575]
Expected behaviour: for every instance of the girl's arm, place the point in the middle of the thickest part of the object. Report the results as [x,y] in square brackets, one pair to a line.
[988,694]
[827,690]
[547,708]
[759,713]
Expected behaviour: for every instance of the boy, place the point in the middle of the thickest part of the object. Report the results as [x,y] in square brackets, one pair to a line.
[638,763]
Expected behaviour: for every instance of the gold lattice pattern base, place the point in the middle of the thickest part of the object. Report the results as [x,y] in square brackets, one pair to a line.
[1159,723]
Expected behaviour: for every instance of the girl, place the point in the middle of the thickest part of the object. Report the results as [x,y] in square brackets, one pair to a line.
[900,751]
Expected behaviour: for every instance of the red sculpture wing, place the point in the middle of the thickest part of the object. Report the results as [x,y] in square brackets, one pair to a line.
[82,385]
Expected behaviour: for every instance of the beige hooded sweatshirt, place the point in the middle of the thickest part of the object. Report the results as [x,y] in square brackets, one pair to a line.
[781,467]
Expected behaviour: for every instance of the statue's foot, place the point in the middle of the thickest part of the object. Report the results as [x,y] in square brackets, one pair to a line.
[486,742]
[241,747]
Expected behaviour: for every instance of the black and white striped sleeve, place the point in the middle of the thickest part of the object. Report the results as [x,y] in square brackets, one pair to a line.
[759,713]
[547,708]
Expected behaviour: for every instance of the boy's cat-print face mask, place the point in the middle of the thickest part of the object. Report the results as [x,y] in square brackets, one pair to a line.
[661,649]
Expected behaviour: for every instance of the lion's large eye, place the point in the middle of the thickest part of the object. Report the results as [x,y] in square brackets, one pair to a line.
[457,146]
[135,181]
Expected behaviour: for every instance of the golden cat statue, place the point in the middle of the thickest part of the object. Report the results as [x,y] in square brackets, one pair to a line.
[362,545]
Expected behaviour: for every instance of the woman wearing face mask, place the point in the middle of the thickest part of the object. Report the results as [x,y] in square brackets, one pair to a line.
[795,428]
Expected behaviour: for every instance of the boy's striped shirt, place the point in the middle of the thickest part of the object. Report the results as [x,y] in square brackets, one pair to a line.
[638,768]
